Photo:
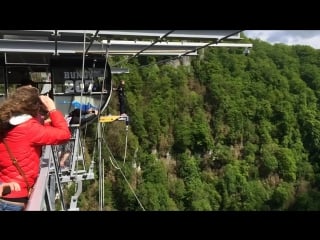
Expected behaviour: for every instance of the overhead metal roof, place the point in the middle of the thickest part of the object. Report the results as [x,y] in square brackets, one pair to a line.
[182,34]
[117,42]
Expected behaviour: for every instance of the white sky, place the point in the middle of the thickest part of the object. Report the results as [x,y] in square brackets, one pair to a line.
[289,37]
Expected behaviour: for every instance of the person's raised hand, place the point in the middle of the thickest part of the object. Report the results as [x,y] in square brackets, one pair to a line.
[48,102]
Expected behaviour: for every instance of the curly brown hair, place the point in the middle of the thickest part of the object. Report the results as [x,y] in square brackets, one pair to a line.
[24,100]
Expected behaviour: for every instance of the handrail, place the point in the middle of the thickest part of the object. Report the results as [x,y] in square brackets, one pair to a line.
[40,191]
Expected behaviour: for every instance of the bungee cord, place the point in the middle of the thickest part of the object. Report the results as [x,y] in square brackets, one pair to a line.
[116,166]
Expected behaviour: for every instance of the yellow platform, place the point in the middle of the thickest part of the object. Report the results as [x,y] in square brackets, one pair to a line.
[108,118]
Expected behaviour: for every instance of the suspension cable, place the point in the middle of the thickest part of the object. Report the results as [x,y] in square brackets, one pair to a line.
[103,82]
[132,190]
[193,50]
[82,75]
[92,39]
[126,145]
[92,79]
[104,75]
[116,166]
[101,172]
[55,42]
[146,48]
[101,162]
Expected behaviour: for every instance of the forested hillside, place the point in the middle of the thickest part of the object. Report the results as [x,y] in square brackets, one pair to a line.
[224,132]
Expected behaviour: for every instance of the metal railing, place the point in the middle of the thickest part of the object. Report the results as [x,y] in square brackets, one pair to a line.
[40,199]
[48,187]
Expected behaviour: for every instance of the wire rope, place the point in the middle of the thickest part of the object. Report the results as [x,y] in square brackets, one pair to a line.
[193,50]
[146,48]
[116,166]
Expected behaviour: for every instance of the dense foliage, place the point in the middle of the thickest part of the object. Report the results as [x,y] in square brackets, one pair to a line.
[222,131]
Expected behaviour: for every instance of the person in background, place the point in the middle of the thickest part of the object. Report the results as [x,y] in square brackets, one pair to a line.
[86,116]
[86,112]
[64,154]
[82,114]
[64,150]
[121,97]
[25,136]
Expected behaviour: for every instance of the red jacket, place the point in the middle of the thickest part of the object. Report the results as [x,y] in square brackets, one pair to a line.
[25,141]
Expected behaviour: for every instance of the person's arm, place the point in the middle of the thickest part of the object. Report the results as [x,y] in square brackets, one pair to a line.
[48,103]
[91,114]
[55,133]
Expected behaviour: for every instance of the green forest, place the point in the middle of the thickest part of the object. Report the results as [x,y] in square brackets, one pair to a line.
[220,131]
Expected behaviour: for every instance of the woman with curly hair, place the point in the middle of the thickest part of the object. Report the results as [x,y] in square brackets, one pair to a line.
[23,135]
